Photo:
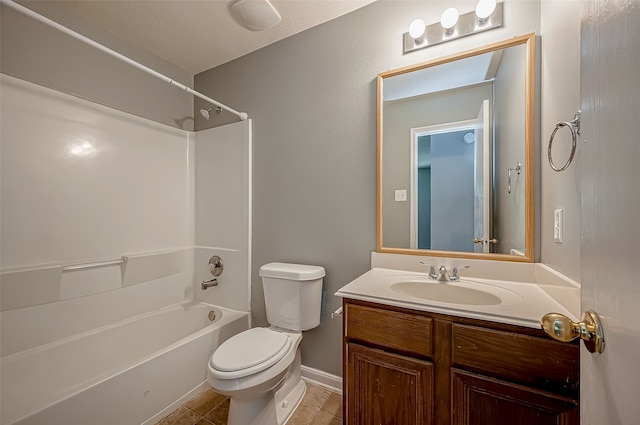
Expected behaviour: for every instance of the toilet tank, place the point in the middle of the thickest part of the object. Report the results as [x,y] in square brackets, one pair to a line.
[292,295]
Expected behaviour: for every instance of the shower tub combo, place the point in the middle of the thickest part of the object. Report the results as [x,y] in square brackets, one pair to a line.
[131,372]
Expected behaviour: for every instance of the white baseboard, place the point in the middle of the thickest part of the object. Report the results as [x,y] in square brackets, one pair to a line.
[324,379]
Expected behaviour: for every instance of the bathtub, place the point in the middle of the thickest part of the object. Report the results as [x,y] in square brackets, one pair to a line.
[131,372]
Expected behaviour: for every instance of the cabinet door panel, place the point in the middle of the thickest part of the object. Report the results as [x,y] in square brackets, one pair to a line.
[387,389]
[540,362]
[480,400]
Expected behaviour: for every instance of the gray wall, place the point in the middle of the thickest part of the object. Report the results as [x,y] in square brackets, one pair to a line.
[560,93]
[312,98]
[35,52]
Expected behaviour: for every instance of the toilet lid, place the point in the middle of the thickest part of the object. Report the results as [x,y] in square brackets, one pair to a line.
[256,348]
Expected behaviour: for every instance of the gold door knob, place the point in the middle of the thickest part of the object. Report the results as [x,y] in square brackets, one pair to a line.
[561,328]
[476,240]
[493,241]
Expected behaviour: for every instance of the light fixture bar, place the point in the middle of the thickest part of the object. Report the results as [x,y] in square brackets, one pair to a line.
[467,24]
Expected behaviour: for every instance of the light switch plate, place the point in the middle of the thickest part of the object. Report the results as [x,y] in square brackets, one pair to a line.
[557,225]
[401,195]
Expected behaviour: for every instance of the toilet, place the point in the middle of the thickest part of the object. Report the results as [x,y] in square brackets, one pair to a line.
[259,369]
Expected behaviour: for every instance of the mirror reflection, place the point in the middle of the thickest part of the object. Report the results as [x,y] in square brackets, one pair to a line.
[455,148]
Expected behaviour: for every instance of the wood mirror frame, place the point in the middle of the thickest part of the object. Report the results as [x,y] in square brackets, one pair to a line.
[529,161]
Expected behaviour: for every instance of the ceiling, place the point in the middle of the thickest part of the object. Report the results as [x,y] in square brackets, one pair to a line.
[199,35]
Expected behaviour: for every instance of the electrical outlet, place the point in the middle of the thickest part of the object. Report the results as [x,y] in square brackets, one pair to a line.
[557,225]
[401,195]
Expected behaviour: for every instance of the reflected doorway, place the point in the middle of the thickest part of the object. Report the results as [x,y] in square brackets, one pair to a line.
[448,186]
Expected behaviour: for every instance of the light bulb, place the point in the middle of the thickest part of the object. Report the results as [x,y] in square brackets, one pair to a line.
[449,18]
[484,9]
[416,29]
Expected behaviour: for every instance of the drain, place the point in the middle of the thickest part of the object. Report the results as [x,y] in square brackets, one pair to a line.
[212,315]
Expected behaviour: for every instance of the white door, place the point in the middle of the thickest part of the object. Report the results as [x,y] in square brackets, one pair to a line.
[482,180]
[610,168]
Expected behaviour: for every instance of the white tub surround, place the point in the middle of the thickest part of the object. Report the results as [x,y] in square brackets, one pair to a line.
[81,181]
[83,184]
[42,304]
[514,295]
[223,213]
[30,286]
[116,374]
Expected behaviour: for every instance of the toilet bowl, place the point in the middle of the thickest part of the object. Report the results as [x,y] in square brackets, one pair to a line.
[264,389]
[259,369]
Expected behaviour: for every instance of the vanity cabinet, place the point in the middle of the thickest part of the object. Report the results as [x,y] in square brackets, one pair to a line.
[411,367]
[391,379]
[388,388]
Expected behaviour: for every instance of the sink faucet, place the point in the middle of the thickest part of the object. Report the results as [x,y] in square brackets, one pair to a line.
[432,270]
[453,277]
[442,274]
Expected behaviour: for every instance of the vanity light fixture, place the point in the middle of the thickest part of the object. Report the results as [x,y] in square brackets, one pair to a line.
[449,19]
[416,30]
[487,15]
[484,9]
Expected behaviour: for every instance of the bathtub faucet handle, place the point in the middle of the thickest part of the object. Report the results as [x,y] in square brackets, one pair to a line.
[209,283]
[215,266]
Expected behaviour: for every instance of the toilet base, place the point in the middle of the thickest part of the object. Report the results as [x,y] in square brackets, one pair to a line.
[260,411]
[286,403]
[274,407]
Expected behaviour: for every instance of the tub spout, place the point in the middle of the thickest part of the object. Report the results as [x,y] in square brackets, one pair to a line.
[209,284]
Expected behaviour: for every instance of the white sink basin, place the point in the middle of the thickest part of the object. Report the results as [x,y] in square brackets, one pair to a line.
[464,292]
[445,293]
[516,303]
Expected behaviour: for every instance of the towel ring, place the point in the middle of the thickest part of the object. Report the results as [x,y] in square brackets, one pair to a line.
[574,127]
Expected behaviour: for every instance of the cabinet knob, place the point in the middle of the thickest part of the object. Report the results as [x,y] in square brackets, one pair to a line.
[561,328]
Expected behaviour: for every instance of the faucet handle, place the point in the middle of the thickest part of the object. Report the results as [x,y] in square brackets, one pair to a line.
[432,270]
[454,273]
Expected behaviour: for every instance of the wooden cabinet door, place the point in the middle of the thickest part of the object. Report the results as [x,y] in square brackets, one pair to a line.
[387,389]
[480,400]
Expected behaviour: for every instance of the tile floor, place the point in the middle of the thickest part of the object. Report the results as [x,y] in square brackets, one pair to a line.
[319,406]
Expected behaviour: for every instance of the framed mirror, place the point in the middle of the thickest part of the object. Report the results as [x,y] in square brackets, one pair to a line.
[456,155]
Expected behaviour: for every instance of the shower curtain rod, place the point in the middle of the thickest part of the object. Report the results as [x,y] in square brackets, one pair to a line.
[242,115]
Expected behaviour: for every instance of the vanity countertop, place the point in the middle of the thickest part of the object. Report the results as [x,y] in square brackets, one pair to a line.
[520,303]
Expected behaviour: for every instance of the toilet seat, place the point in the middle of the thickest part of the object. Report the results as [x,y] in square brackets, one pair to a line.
[249,352]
